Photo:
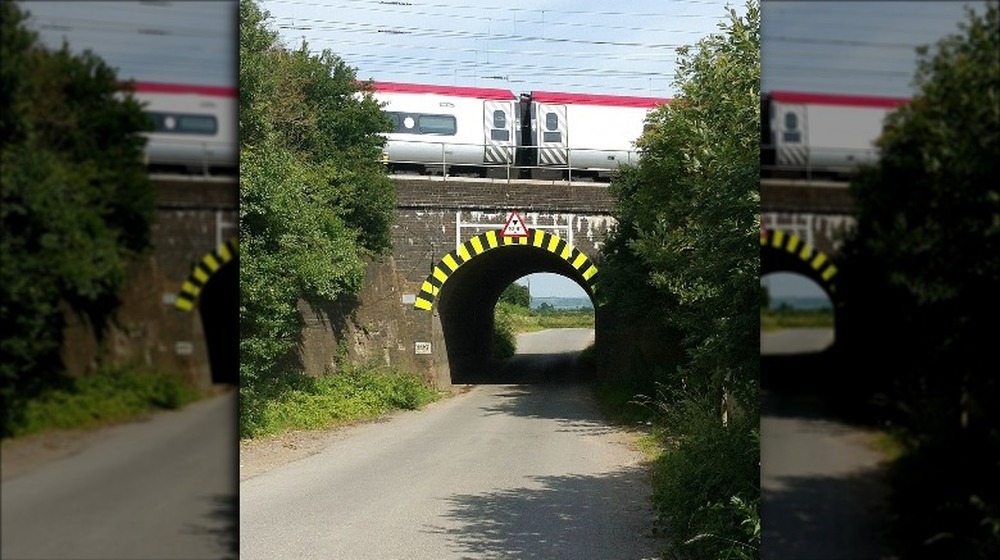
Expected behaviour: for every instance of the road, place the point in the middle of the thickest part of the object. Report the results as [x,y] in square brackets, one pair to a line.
[159,489]
[795,341]
[520,471]
[822,485]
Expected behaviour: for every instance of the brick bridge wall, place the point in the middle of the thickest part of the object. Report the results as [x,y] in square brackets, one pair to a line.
[384,326]
[192,215]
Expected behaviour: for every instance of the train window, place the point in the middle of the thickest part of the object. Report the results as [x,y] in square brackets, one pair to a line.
[184,124]
[500,135]
[437,124]
[791,132]
[551,121]
[499,119]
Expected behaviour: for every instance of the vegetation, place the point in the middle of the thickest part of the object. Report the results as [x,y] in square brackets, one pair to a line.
[511,319]
[76,203]
[683,261]
[298,402]
[516,294]
[919,278]
[315,202]
[108,396]
[788,318]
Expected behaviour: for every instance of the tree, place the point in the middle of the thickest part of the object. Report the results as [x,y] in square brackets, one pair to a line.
[76,200]
[314,200]
[516,294]
[920,274]
[684,257]
[688,214]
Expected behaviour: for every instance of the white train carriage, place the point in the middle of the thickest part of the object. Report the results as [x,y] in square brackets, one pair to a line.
[589,134]
[449,128]
[823,135]
[194,127]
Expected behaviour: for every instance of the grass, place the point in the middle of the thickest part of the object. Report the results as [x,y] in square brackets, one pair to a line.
[777,319]
[525,320]
[106,397]
[301,402]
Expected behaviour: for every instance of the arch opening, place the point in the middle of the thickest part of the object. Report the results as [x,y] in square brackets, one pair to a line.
[213,287]
[798,326]
[464,296]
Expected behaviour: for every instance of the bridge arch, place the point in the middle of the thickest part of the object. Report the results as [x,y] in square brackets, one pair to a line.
[781,251]
[463,288]
[213,287]
[492,239]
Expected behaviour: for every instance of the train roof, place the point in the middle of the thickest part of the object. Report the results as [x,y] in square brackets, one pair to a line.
[811,98]
[160,87]
[598,99]
[458,91]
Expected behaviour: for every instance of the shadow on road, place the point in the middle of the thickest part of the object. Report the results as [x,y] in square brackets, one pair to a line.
[553,517]
[824,518]
[221,524]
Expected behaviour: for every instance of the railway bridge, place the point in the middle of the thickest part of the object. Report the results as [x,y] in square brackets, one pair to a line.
[802,225]
[429,306]
[179,308]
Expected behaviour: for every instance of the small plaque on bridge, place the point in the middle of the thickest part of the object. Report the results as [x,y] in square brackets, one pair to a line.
[409,299]
[421,347]
[515,227]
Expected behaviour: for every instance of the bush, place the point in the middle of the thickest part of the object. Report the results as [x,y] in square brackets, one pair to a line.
[108,396]
[707,483]
[296,401]
[504,331]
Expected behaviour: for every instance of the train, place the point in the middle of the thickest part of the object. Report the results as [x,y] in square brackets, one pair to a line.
[459,130]
[819,135]
[194,128]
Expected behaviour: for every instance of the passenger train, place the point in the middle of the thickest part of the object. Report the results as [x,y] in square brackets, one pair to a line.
[194,128]
[495,132]
[814,135]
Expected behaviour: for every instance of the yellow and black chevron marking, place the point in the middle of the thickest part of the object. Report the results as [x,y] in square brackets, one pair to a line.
[793,244]
[491,240]
[204,270]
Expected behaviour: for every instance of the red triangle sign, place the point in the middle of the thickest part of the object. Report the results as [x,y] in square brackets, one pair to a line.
[515,227]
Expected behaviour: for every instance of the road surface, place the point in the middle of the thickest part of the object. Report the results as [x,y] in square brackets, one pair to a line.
[520,471]
[160,489]
[795,341]
[822,479]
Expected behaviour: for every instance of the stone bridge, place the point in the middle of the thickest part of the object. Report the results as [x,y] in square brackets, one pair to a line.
[429,306]
[179,310]
[803,224]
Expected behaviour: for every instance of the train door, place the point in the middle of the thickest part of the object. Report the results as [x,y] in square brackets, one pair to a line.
[498,124]
[791,141]
[552,135]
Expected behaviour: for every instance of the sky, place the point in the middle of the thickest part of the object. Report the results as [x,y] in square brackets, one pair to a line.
[864,48]
[185,42]
[588,46]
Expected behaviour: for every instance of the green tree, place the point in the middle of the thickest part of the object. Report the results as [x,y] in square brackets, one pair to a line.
[315,201]
[920,274]
[76,200]
[685,256]
[516,294]
[688,214]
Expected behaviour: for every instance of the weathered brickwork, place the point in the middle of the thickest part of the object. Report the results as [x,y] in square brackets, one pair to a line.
[192,215]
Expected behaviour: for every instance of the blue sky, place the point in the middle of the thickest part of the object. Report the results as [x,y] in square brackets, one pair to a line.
[591,46]
[175,42]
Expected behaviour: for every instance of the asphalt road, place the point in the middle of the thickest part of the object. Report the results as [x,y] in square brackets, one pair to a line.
[520,471]
[795,341]
[822,486]
[160,489]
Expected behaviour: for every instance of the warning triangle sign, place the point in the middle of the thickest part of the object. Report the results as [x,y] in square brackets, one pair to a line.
[515,227]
